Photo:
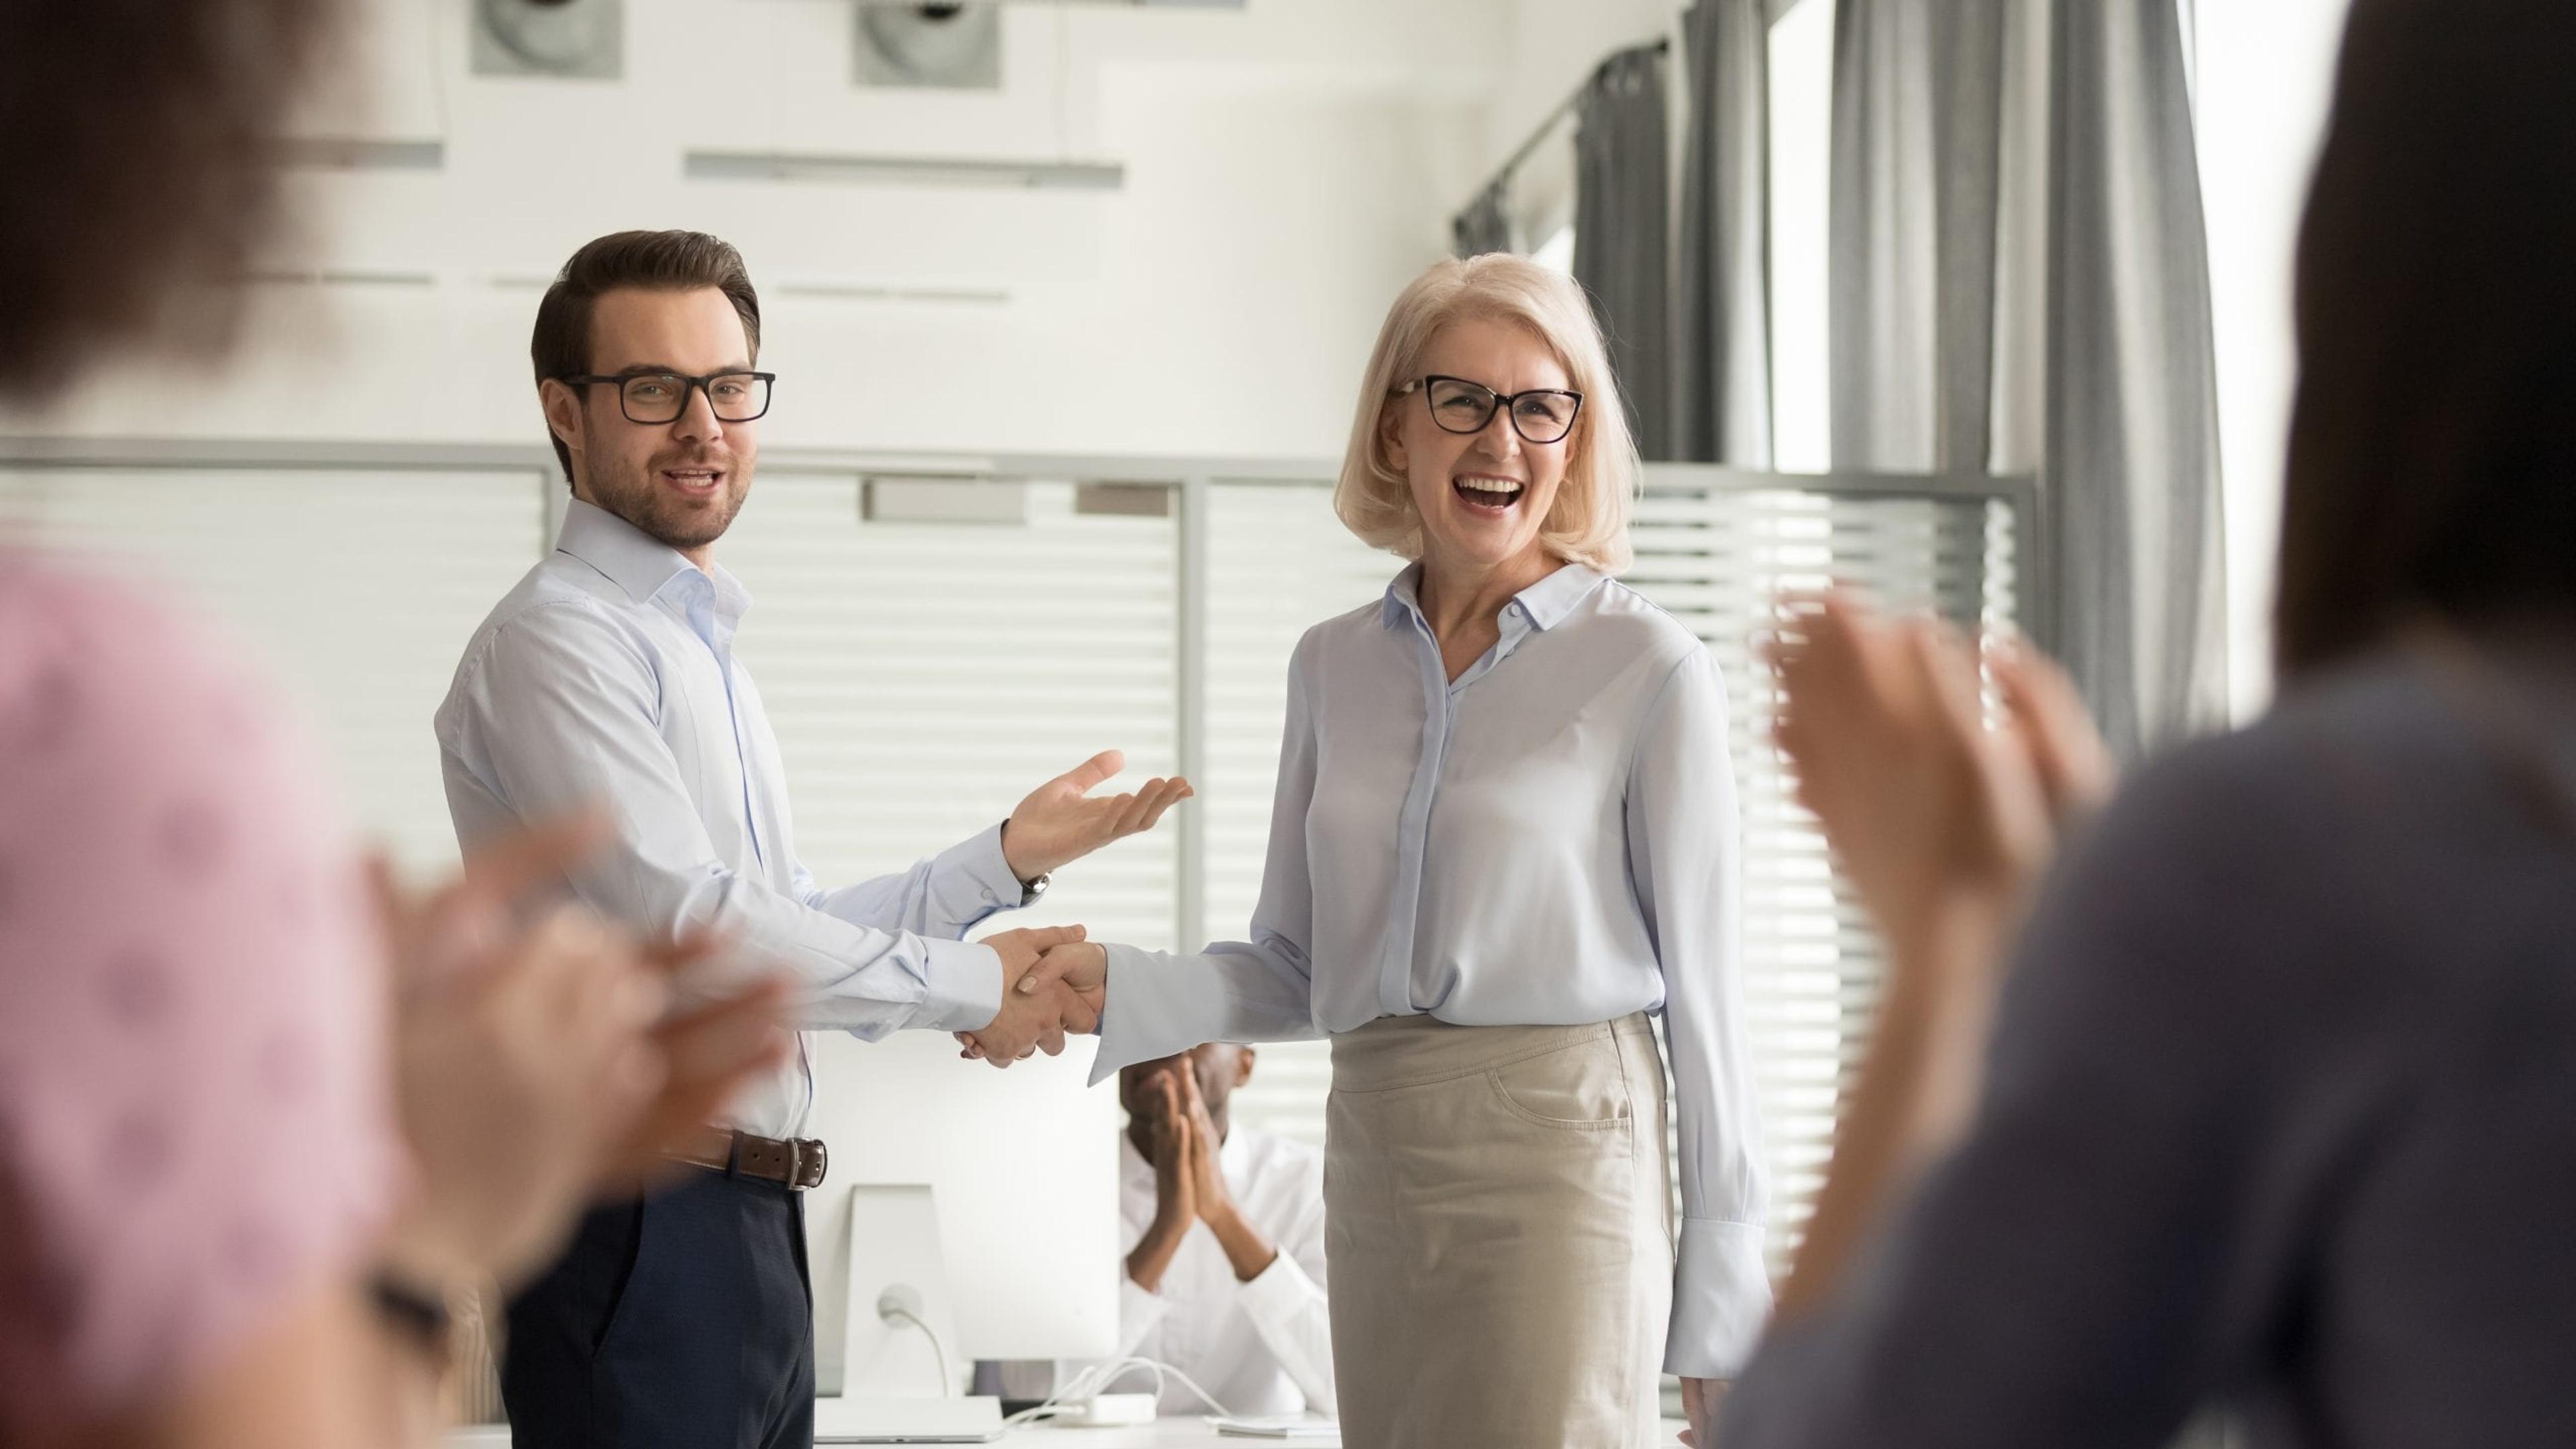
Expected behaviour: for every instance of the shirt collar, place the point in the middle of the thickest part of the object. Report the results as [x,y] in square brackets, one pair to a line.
[640,564]
[1552,598]
[1546,603]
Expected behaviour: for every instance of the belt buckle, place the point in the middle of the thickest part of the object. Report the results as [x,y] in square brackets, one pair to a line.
[803,1154]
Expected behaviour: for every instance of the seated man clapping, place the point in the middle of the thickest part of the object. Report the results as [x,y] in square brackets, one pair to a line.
[1224,1228]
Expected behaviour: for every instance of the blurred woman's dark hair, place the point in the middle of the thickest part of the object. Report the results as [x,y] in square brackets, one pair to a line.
[134,140]
[2432,467]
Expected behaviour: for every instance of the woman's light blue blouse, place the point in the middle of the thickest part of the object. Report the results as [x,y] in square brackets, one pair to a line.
[1552,839]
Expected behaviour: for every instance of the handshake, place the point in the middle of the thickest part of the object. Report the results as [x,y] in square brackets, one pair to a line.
[1053,982]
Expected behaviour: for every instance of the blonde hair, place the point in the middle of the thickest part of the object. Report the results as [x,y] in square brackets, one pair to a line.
[1588,522]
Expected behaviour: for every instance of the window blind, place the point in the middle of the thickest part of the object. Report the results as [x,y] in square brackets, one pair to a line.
[924,675]
[357,589]
[1279,562]
[1718,560]
[925,669]
[1716,557]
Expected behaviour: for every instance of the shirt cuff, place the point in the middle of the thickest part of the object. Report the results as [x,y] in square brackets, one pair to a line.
[1277,1294]
[1721,1299]
[1138,1310]
[1156,1005]
[971,880]
[961,986]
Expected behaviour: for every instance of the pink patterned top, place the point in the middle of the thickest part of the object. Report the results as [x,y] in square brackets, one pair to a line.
[194,1115]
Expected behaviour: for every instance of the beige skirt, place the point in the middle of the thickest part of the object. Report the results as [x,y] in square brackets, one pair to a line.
[1498,1217]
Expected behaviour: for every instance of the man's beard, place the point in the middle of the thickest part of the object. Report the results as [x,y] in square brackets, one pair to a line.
[670,522]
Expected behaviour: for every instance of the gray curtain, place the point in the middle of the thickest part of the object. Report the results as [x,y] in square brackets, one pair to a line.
[2132,412]
[1918,105]
[1620,215]
[2133,595]
[1721,359]
[1486,224]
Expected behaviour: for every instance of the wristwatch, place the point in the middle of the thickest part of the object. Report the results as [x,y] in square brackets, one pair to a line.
[1030,890]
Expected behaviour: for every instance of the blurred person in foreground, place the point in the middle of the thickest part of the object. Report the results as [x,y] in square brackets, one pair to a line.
[2270,1110]
[259,1115]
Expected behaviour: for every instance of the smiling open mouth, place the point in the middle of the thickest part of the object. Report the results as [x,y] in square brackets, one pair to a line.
[1494,495]
[695,480]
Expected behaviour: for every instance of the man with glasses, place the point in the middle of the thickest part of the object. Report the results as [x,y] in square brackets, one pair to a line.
[607,678]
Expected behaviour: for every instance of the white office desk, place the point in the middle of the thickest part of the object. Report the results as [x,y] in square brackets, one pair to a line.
[1173,1433]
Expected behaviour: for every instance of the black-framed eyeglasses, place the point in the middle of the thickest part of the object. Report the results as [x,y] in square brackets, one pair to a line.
[1541,415]
[660,397]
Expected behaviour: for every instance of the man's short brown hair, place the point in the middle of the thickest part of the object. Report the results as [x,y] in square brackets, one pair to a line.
[665,261]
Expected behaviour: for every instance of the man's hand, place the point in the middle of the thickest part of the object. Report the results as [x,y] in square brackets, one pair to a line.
[1246,1250]
[1027,1024]
[1175,1190]
[1077,968]
[1029,1021]
[1023,949]
[1207,1174]
[1082,966]
[1059,823]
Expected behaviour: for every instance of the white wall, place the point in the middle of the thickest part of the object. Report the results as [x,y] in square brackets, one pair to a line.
[1551,49]
[1290,166]
[2265,75]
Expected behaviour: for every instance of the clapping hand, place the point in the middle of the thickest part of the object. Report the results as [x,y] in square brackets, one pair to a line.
[1208,1195]
[1928,811]
[534,1063]
[1178,1175]
[1060,822]
[1942,827]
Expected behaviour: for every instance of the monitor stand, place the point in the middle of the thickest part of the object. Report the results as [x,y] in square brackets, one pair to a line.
[976,1420]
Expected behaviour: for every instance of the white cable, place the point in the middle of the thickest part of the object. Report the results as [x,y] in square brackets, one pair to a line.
[947,1387]
[1099,1376]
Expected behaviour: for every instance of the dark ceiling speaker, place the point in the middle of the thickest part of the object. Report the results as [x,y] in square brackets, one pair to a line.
[955,47]
[583,39]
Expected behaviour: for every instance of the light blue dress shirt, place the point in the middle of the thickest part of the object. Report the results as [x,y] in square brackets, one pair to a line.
[1551,840]
[607,677]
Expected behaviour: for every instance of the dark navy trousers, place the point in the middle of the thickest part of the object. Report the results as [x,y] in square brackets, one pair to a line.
[680,1321]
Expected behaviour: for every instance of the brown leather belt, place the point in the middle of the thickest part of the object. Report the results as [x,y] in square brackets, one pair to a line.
[797,1163]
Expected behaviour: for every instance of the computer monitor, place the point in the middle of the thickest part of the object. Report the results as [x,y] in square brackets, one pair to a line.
[1023,1170]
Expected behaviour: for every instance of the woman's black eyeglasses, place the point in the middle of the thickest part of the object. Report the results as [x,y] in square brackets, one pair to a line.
[1541,415]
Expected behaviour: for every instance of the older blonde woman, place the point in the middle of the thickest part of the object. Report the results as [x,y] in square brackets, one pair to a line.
[1504,838]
